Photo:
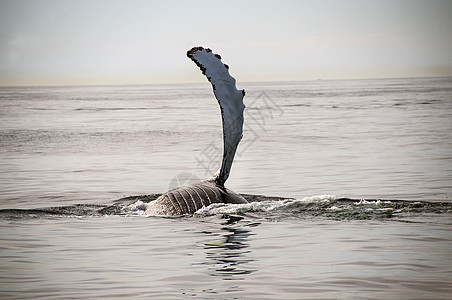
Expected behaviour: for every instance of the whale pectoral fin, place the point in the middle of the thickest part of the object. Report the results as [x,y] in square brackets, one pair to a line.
[230,100]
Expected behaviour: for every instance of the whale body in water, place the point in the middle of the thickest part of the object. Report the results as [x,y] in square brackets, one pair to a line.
[188,199]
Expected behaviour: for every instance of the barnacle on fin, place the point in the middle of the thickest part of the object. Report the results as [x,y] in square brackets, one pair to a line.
[191,53]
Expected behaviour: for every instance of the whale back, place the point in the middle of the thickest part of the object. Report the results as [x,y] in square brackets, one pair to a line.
[188,199]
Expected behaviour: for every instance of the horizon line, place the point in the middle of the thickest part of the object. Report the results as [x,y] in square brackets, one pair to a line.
[198,82]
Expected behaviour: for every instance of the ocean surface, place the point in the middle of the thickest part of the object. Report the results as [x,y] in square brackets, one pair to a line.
[349,184]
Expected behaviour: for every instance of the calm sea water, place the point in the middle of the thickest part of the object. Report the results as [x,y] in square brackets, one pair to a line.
[355,178]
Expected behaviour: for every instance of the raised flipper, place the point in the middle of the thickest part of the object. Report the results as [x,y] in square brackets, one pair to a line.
[189,199]
[231,104]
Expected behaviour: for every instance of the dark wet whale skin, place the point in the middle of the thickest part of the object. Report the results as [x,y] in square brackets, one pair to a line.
[188,199]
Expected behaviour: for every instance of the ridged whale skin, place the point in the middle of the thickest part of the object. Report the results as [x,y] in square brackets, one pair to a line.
[188,199]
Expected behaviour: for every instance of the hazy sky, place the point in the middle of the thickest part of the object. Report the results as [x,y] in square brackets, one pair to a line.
[44,42]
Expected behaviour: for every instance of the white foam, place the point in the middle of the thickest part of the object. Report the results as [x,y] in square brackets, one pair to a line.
[374,202]
[320,198]
[264,206]
[139,207]
[333,208]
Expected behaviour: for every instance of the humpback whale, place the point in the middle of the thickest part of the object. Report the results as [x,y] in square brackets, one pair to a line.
[188,199]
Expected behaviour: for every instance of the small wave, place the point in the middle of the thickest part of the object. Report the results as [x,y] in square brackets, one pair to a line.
[263,206]
[111,108]
[275,208]
[319,206]
[296,105]
[99,109]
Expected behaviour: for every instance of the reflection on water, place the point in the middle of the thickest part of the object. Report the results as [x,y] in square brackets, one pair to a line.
[227,251]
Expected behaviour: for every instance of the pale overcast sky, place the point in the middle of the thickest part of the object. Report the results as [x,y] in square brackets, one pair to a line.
[59,42]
